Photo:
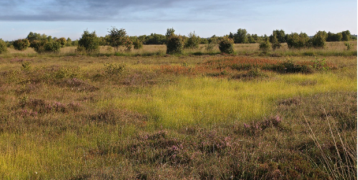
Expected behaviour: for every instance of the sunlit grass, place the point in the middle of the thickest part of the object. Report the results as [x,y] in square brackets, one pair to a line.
[204,101]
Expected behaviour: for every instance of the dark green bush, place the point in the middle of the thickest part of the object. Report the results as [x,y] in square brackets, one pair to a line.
[298,41]
[3,47]
[128,44]
[62,41]
[88,41]
[117,37]
[174,45]
[52,46]
[319,39]
[290,67]
[138,44]
[226,45]
[265,45]
[21,44]
[275,43]
[192,42]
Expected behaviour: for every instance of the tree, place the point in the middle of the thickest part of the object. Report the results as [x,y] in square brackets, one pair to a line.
[192,42]
[138,44]
[170,32]
[226,45]
[280,35]
[62,41]
[117,37]
[3,47]
[240,36]
[334,37]
[346,35]
[89,42]
[319,39]
[295,40]
[265,45]
[21,44]
[174,45]
[275,43]
[68,42]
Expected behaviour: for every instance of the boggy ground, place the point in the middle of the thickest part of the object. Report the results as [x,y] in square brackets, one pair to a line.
[178,117]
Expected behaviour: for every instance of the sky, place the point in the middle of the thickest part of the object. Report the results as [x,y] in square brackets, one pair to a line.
[69,18]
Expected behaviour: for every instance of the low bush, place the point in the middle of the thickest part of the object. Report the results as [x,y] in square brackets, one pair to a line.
[89,42]
[174,45]
[226,46]
[138,44]
[3,47]
[192,42]
[265,46]
[21,44]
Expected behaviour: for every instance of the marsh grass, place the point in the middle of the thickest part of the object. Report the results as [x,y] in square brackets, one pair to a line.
[66,117]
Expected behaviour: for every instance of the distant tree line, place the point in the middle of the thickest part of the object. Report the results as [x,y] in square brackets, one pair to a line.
[90,42]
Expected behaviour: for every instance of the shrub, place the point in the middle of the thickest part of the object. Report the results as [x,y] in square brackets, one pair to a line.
[21,44]
[3,46]
[62,41]
[319,39]
[265,45]
[226,45]
[138,44]
[346,35]
[88,41]
[241,36]
[68,42]
[174,45]
[295,40]
[275,43]
[192,42]
[117,37]
[128,44]
[348,45]
[52,46]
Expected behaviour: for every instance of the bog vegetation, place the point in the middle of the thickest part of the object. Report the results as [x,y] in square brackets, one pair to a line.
[282,106]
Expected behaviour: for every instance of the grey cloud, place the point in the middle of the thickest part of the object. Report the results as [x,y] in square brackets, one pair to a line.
[122,10]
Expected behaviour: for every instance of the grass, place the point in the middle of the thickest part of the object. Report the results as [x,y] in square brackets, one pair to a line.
[178,117]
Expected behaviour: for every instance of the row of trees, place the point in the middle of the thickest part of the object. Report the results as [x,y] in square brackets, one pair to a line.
[118,37]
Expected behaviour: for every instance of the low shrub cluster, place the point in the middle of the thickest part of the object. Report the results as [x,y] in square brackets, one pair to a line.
[226,45]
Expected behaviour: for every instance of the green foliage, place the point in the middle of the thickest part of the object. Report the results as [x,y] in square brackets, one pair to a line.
[348,45]
[334,37]
[192,42]
[3,47]
[280,36]
[265,45]
[21,44]
[298,41]
[25,66]
[320,64]
[174,45]
[275,43]
[68,42]
[128,44]
[114,69]
[346,35]
[117,37]
[62,41]
[169,33]
[88,41]
[52,46]
[241,36]
[319,39]
[226,46]
[138,44]
[291,67]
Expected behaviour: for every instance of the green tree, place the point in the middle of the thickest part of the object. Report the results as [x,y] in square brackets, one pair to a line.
[346,35]
[192,42]
[265,45]
[319,39]
[275,42]
[62,41]
[295,40]
[3,47]
[21,44]
[241,36]
[226,45]
[174,45]
[117,37]
[170,32]
[68,42]
[89,42]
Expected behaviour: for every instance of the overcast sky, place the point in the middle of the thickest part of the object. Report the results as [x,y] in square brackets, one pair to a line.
[69,18]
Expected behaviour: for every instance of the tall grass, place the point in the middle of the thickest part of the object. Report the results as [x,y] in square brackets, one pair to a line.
[206,101]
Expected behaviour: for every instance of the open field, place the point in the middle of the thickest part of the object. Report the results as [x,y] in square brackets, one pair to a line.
[286,114]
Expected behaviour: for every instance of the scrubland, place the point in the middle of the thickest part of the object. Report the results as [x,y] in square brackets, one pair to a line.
[284,114]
